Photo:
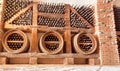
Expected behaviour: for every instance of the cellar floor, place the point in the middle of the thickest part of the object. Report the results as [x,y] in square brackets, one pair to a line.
[58,68]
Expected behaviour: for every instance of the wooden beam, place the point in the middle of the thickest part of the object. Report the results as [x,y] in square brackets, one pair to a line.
[3,60]
[44,55]
[16,16]
[33,60]
[63,29]
[94,61]
[23,28]
[68,61]
[49,15]
[2,23]
[67,33]
[34,34]
[80,17]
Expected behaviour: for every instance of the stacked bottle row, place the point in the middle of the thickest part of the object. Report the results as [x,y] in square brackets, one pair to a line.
[15,41]
[51,42]
[51,22]
[85,43]
[15,37]
[87,12]
[14,6]
[24,19]
[51,8]
[76,22]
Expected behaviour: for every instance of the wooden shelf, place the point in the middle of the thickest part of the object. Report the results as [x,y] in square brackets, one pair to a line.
[44,55]
[51,42]
[15,41]
[85,43]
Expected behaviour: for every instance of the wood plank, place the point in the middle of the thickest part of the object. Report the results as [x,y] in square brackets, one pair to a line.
[33,60]
[23,28]
[43,28]
[51,42]
[44,55]
[50,15]
[67,33]
[93,61]
[15,41]
[3,60]
[68,61]
[2,23]
[34,34]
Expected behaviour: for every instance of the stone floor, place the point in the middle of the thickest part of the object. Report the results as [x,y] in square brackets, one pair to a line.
[58,68]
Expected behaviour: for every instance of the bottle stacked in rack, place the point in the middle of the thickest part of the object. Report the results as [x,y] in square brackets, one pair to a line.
[14,6]
[15,41]
[24,19]
[85,43]
[76,22]
[51,8]
[51,22]
[51,42]
[87,12]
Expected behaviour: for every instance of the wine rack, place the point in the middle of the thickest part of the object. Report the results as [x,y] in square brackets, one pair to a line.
[39,32]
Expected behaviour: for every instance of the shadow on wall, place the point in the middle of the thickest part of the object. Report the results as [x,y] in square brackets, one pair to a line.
[117,17]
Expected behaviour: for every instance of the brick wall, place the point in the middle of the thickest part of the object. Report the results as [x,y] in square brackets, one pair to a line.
[107,33]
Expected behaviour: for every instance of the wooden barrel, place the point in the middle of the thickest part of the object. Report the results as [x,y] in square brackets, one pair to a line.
[85,43]
[51,42]
[15,41]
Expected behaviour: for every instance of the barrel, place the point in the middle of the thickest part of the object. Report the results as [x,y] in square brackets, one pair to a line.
[85,43]
[51,42]
[15,41]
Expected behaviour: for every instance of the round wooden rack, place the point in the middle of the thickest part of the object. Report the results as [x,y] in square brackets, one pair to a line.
[85,43]
[51,42]
[15,41]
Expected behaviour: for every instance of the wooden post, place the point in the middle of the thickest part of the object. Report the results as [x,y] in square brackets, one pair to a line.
[33,60]
[2,4]
[3,60]
[34,35]
[68,61]
[93,61]
[67,35]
